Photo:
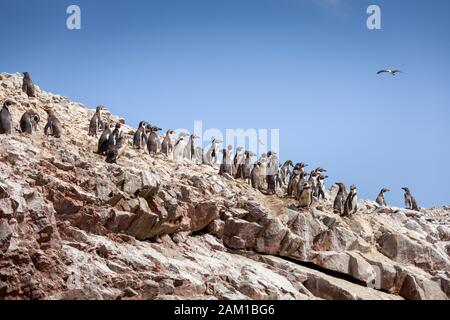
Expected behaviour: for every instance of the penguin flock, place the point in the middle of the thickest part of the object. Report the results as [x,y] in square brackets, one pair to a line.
[265,174]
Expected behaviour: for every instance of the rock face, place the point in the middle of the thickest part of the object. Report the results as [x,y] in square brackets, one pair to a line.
[75,227]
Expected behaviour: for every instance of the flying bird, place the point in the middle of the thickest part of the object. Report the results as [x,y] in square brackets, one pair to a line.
[393,72]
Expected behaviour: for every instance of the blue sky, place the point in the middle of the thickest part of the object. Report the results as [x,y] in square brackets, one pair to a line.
[306,67]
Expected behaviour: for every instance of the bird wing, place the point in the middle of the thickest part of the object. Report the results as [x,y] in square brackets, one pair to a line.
[396,71]
[382,71]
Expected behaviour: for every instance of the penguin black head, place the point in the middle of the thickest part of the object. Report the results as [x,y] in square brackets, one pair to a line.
[8,103]
[99,108]
[142,124]
[118,126]
[385,190]
[156,129]
[341,186]
[36,118]
[352,188]
[26,74]
[306,185]
[406,189]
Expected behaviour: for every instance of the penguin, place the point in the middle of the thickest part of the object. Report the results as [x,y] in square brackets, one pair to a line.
[225,166]
[53,125]
[104,138]
[229,160]
[238,163]
[305,197]
[256,176]
[410,201]
[114,137]
[294,178]
[210,157]
[300,180]
[29,122]
[116,150]
[273,168]
[248,166]
[167,143]
[28,86]
[263,165]
[139,136]
[351,203]
[313,177]
[179,147]
[321,186]
[152,143]
[5,117]
[285,171]
[339,200]
[96,122]
[380,199]
[189,150]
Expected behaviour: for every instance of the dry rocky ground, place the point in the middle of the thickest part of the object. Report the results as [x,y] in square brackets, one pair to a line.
[75,227]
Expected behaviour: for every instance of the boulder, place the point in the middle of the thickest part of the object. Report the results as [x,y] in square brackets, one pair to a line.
[203,214]
[240,234]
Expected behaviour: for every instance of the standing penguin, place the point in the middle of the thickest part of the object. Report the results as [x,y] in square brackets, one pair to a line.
[313,180]
[28,86]
[29,122]
[53,125]
[339,200]
[5,117]
[300,179]
[293,180]
[104,138]
[238,163]
[380,199]
[321,186]
[410,201]
[225,166]
[305,197]
[351,203]
[115,151]
[285,170]
[210,157]
[248,166]
[113,138]
[96,122]
[153,140]
[167,143]
[189,150]
[273,168]
[139,136]
[180,146]
[256,176]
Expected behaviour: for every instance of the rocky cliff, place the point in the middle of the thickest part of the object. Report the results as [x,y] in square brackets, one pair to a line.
[75,227]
